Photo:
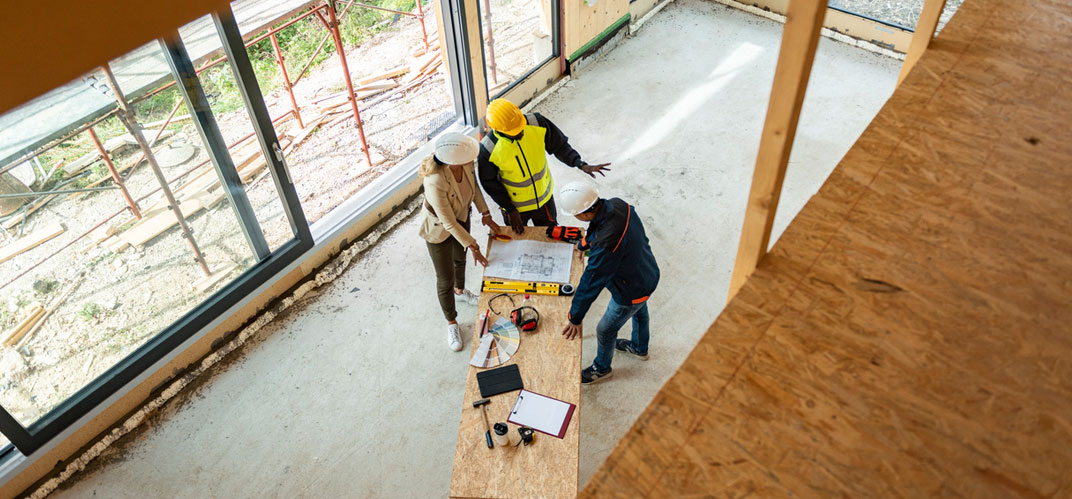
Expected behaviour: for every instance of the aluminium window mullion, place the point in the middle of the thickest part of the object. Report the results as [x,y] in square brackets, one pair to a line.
[196,101]
[458,57]
[17,434]
[556,29]
[246,80]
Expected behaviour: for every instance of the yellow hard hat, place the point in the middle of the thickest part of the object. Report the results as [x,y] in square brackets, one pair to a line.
[505,117]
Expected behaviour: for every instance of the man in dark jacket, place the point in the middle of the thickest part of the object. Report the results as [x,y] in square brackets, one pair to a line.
[619,259]
[512,164]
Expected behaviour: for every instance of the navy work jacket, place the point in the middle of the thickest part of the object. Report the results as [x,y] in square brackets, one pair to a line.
[620,259]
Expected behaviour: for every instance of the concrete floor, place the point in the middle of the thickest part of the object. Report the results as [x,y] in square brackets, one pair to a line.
[355,394]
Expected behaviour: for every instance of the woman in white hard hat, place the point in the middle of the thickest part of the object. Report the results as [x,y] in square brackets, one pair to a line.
[449,191]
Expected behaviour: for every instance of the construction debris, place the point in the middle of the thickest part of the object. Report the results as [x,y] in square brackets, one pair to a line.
[425,66]
[30,241]
[51,308]
[390,73]
[206,283]
[114,145]
[29,320]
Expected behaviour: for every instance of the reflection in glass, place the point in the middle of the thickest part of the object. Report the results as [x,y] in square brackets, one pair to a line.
[517,38]
[235,125]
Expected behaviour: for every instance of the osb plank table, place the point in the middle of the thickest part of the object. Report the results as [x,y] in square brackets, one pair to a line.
[550,365]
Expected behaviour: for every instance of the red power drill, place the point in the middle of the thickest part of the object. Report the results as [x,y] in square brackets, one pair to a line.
[562,233]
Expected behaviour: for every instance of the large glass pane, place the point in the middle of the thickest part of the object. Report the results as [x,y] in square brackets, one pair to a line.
[83,281]
[403,94]
[517,38]
[216,77]
[899,12]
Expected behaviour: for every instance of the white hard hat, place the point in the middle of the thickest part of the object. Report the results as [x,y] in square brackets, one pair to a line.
[577,197]
[455,148]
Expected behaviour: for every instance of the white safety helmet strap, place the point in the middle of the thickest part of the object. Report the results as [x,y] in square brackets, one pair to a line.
[456,148]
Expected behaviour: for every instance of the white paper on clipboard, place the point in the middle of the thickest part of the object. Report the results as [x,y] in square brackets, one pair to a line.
[542,413]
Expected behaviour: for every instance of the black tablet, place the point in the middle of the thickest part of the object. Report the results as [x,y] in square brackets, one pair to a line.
[499,380]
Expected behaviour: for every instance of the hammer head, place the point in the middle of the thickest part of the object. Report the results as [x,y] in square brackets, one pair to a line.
[481,402]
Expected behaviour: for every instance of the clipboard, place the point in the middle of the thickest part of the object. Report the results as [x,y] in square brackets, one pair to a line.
[542,413]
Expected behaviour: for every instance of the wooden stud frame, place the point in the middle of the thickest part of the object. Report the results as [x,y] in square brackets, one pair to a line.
[804,22]
[928,24]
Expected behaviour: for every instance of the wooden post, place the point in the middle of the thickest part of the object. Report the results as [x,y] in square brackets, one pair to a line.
[804,21]
[476,56]
[925,28]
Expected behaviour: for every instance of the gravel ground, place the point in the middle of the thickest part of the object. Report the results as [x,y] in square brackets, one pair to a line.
[900,12]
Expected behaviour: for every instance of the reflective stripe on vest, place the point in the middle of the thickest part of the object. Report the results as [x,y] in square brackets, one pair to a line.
[523,167]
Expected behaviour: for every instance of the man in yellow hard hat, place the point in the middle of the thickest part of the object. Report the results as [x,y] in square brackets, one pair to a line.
[512,165]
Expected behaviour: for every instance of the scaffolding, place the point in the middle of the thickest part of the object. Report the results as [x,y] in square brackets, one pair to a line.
[329,16]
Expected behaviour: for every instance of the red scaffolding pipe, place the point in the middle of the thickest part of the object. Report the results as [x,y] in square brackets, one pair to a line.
[115,174]
[286,80]
[333,26]
[212,63]
[424,32]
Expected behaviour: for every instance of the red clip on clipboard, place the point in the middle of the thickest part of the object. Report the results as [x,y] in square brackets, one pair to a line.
[542,413]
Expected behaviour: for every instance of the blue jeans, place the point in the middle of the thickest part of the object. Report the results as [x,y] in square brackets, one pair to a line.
[613,320]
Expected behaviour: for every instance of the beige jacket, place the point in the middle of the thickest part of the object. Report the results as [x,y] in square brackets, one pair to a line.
[441,191]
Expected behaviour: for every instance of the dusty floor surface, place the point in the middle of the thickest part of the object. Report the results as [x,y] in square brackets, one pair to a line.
[355,394]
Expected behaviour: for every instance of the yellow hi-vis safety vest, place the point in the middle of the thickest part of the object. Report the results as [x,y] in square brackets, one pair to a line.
[523,167]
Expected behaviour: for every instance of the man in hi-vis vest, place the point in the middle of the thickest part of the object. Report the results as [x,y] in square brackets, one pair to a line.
[513,168]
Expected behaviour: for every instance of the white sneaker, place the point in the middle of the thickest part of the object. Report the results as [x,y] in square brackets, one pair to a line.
[454,339]
[468,297]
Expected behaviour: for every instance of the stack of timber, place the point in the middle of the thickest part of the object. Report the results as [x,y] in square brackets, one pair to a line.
[426,63]
[37,317]
[419,50]
[367,87]
[29,320]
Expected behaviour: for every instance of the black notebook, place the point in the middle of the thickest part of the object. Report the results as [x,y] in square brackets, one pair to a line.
[499,380]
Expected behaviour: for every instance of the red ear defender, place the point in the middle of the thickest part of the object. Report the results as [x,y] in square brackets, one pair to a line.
[526,318]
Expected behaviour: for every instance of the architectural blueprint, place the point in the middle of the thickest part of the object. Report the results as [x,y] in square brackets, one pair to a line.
[523,260]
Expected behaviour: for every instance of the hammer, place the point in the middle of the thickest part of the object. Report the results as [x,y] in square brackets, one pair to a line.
[483,405]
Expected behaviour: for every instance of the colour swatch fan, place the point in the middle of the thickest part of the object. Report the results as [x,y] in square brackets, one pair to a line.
[497,343]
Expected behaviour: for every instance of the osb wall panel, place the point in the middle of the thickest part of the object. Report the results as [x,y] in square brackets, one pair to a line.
[585,22]
[908,335]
